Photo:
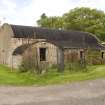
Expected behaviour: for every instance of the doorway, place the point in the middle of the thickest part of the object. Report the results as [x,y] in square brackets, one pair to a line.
[42,52]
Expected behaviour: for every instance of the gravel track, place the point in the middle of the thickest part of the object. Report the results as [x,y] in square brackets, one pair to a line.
[90,92]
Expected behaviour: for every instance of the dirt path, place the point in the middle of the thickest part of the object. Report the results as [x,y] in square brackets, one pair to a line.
[83,93]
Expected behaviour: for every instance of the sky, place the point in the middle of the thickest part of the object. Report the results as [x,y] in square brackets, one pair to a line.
[27,12]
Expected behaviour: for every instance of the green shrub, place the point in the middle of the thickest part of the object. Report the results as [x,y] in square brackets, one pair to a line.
[29,63]
[93,57]
[76,66]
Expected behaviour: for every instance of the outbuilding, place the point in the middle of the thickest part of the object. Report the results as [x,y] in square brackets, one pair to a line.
[51,46]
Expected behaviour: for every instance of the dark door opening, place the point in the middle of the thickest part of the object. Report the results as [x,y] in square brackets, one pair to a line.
[81,54]
[42,54]
[102,55]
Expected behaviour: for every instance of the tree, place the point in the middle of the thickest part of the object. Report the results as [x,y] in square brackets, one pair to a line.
[86,19]
[50,22]
[42,21]
[79,19]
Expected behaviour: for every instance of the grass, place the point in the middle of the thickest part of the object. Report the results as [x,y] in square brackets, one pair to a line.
[26,79]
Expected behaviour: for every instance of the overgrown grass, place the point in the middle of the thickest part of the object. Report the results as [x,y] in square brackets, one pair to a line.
[26,79]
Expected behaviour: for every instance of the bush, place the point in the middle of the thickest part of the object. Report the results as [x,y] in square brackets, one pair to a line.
[93,57]
[29,62]
[76,66]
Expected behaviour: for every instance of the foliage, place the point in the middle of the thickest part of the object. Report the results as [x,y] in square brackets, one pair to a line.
[52,77]
[50,22]
[93,57]
[31,63]
[81,19]
[76,66]
[28,64]
[86,19]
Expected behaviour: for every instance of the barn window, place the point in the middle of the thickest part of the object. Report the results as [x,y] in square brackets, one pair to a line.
[81,54]
[42,54]
[102,55]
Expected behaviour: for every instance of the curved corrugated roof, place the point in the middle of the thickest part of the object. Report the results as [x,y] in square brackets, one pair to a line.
[20,50]
[65,39]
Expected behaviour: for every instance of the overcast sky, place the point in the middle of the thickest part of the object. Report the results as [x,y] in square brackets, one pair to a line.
[27,12]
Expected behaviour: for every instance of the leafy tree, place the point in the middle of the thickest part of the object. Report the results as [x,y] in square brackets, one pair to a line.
[50,22]
[86,19]
[80,19]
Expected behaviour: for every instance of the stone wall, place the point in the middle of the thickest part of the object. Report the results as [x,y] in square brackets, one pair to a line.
[5,39]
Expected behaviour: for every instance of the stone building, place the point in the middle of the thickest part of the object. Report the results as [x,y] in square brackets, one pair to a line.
[51,45]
